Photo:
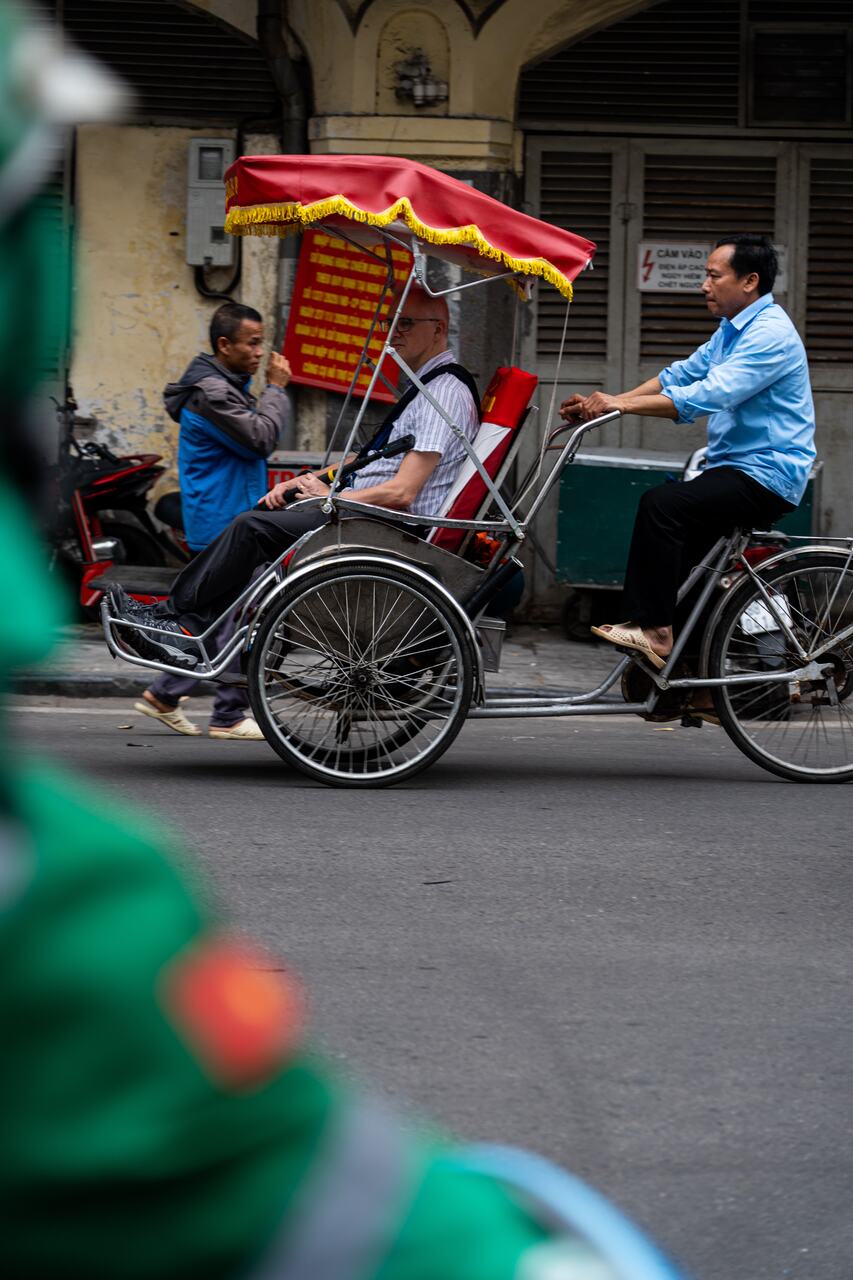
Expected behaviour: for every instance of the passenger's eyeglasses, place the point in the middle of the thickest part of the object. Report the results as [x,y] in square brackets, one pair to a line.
[405,323]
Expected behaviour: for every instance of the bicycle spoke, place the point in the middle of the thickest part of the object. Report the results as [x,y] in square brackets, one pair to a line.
[326,683]
[800,727]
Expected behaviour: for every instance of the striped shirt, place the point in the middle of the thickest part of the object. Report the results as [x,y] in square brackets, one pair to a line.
[432,435]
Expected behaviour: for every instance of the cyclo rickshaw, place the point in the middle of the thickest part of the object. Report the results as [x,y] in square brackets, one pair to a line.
[365,646]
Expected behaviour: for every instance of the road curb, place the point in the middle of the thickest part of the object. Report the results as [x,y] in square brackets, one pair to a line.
[92,673]
[81,685]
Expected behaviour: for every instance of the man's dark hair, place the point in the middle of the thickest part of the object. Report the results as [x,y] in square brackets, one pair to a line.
[226,320]
[753,253]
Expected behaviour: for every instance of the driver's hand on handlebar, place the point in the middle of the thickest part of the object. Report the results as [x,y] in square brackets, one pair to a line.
[586,408]
[570,409]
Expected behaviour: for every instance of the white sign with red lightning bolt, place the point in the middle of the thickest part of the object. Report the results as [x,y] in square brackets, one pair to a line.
[671,268]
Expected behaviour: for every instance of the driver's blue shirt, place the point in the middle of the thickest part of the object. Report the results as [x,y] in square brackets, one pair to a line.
[752,378]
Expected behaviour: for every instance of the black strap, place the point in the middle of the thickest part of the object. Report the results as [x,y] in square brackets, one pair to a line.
[383,433]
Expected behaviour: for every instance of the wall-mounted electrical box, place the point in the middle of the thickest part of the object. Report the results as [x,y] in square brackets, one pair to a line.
[207,243]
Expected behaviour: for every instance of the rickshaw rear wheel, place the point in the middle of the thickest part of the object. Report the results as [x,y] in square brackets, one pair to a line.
[801,730]
[361,676]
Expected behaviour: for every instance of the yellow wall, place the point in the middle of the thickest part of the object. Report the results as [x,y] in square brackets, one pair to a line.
[353,68]
[138,317]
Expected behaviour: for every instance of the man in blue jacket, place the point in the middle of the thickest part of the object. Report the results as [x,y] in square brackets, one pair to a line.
[225,437]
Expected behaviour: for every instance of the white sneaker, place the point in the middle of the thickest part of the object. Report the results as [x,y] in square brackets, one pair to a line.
[171,719]
[248,730]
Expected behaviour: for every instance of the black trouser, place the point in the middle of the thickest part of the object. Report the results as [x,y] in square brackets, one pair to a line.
[217,575]
[677,524]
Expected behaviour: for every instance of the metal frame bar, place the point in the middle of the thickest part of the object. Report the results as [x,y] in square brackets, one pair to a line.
[418,274]
[723,550]
[472,284]
[713,567]
[388,263]
[506,704]
[208,670]
[567,454]
[359,417]
[419,522]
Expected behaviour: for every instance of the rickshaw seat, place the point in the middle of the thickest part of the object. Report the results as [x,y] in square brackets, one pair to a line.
[355,533]
[504,410]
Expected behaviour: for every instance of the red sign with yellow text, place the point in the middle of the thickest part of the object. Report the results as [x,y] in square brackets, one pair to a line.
[335,294]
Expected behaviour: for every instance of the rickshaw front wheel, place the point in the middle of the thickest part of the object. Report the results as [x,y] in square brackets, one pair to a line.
[361,676]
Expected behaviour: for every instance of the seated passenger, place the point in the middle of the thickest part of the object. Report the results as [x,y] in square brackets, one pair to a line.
[417,482]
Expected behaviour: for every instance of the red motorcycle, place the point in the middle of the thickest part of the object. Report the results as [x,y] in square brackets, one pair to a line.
[101,510]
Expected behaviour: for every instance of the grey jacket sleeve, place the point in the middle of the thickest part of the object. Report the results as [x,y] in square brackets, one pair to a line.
[253,429]
[278,403]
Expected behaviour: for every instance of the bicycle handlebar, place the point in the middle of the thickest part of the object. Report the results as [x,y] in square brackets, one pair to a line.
[582,428]
[567,452]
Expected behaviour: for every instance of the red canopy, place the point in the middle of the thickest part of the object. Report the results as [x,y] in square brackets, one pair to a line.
[270,195]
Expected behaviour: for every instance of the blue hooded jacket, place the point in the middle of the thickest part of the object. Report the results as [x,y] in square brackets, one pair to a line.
[225,436]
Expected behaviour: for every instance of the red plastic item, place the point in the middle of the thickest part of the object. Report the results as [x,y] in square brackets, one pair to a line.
[504,405]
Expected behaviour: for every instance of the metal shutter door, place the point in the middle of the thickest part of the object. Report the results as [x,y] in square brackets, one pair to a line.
[576,193]
[675,63]
[699,198]
[829,296]
[182,64]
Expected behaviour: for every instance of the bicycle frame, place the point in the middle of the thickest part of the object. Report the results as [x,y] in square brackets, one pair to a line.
[725,552]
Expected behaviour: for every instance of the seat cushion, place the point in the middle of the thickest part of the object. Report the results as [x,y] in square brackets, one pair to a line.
[504,408]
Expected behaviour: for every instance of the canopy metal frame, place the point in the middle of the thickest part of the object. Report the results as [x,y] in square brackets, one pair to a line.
[417,275]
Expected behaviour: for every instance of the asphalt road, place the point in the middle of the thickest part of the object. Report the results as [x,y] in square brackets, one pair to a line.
[622,945]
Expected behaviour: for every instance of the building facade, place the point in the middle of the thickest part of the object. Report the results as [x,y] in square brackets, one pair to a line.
[666,123]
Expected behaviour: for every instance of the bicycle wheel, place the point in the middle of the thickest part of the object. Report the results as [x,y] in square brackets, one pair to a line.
[801,729]
[361,676]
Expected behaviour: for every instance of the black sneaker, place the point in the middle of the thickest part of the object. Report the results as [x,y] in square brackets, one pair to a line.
[124,606]
[175,648]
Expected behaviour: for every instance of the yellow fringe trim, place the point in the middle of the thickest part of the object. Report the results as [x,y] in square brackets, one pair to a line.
[272,220]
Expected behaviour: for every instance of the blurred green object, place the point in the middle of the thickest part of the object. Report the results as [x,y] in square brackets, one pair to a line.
[34,259]
[33,291]
[126,1153]
[162,1114]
